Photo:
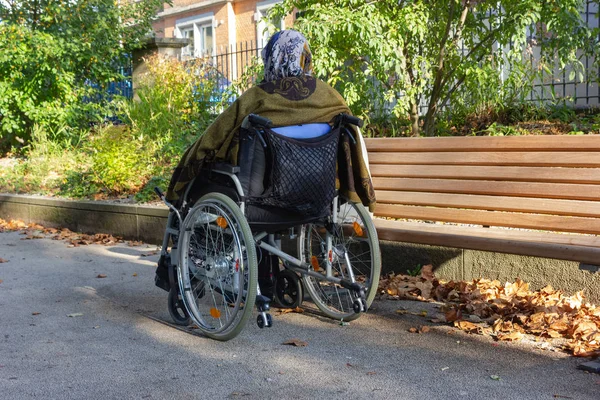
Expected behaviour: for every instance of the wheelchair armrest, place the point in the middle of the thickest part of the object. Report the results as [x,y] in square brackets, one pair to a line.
[225,168]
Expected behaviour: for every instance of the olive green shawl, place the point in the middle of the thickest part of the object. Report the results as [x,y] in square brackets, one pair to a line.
[288,101]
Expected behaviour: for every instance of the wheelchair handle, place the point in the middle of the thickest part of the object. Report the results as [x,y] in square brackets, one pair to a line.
[159,192]
[343,119]
[260,121]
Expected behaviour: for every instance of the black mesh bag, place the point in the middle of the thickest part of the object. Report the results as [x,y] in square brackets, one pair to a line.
[300,174]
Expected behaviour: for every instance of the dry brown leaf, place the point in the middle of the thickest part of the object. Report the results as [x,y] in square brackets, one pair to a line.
[35,313]
[453,315]
[507,310]
[424,329]
[512,336]
[101,276]
[413,330]
[427,272]
[2,260]
[466,326]
[291,310]
[295,342]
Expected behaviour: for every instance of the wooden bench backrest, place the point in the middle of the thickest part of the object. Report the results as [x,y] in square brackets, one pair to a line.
[547,183]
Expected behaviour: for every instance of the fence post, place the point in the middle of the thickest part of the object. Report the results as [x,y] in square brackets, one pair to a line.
[169,47]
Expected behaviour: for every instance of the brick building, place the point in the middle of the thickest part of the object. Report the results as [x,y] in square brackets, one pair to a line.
[216,25]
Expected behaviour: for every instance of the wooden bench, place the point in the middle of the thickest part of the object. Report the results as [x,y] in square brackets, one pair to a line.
[528,195]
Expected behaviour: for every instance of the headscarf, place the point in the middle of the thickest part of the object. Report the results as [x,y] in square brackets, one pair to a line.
[286,54]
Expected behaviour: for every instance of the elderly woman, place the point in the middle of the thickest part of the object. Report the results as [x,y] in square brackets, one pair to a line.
[289,95]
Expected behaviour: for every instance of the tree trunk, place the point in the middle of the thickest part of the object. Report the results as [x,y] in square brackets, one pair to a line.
[429,124]
[414,118]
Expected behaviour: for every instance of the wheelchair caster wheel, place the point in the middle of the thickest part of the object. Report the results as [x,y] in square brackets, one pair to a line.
[288,291]
[359,306]
[177,309]
[261,321]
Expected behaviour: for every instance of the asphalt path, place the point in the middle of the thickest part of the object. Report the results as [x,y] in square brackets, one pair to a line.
[67,334]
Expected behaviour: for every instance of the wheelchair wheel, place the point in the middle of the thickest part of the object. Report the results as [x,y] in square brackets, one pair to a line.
[287,291]
[217,269]
[177,309]
[354,234]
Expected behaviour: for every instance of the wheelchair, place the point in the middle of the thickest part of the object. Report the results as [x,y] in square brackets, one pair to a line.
[232,218]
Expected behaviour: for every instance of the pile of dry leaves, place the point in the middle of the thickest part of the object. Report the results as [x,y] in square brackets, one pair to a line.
[506,311]
[74,239]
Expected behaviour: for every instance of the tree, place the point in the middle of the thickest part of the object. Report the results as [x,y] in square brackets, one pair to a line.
[410,53]
[54,54]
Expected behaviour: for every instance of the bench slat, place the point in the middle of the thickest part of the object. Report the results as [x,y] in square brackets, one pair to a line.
[528,174]
[498,203]
[499,233]
[533,159]
[486,143]
[492,218]
[519,189]
[512,242]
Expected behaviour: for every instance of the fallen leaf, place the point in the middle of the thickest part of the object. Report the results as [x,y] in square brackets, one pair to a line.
[291,310]
[453,315]
[466,326]
[413,330]
[135,274]
[445,368]
[427,272]
[35,313]
[2,260]
[349,365]
[371,373]
[512,336]
[295,342]
[424,329]
[495,377]
[101,276]
[75,315]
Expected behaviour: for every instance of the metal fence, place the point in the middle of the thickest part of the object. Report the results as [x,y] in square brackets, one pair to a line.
[559,83]
[230,61]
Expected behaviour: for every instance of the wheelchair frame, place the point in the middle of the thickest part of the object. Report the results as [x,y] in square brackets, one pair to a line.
[267,242]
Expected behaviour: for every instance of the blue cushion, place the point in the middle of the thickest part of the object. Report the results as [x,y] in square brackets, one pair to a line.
[306,131]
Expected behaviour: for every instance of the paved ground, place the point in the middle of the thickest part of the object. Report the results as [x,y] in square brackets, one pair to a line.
[112,350]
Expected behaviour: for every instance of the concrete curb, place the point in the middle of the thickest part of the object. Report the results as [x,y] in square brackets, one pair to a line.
[130,221]
[147,223]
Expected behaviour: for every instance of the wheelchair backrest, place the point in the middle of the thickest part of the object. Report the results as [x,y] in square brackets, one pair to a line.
[305,131]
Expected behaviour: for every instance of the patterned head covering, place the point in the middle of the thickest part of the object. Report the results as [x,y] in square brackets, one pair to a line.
[286,54]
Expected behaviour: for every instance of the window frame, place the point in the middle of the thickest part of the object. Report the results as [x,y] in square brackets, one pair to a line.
[262,9]
[198,24]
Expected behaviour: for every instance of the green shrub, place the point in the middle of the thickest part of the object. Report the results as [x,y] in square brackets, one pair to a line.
[120,161]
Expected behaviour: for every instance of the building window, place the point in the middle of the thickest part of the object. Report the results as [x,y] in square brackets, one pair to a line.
[200,30]
[264,28]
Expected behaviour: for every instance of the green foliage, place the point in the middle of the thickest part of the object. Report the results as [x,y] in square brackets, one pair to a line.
[414,272]
[175,100]
[56,55]
[147,194]
[435,52]
[118,161]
